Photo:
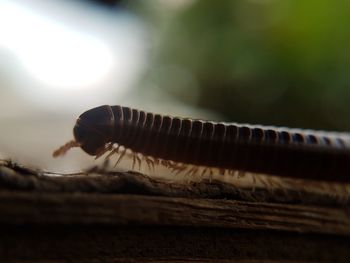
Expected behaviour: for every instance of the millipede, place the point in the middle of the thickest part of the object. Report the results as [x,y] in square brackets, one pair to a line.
[179,142]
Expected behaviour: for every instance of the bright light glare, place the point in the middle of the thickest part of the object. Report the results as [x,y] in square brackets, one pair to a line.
[56,55]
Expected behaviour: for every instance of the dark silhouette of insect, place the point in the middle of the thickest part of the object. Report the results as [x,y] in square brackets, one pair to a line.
[284,152]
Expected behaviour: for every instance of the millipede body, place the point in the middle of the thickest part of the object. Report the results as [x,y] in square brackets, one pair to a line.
[284,152]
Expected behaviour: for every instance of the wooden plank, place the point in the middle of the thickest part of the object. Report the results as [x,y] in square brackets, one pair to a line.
[127,217]
[32,196]
[17,177]
[123,209]
[107,243]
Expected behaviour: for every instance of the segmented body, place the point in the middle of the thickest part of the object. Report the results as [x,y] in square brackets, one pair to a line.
[281,151]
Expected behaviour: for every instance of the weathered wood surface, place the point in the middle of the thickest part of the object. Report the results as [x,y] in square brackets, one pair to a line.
[101,243]
[96,180]
[124,209]
[128,217]
[130,198]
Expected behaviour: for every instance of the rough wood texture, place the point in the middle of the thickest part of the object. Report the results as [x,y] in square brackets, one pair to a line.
[97,180]
[120,217]
[101,243]
[130,198]
[80,208]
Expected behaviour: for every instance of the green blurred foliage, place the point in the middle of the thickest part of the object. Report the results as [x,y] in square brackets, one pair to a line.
[262,61]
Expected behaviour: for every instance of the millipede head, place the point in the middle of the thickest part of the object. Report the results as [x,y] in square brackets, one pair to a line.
[94,129]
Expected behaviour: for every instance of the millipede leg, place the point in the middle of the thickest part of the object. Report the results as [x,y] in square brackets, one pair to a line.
[120,157]
[188,172]
[192,171]
[262,181]
[254,182]
[139,160]
[222,171]
[156,161]
[271,182]
[240,174]
[150,162]
[279,183]
[204,171]
[114,151]
[178,168]
[103,150]
[166,163]
[172,164]
[133,160]
[211,174]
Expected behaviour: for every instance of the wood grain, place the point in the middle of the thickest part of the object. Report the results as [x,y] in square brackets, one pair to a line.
[117,209]
[127,217]
[96,180]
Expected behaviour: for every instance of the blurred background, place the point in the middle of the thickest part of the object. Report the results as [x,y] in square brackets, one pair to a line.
[270,62]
